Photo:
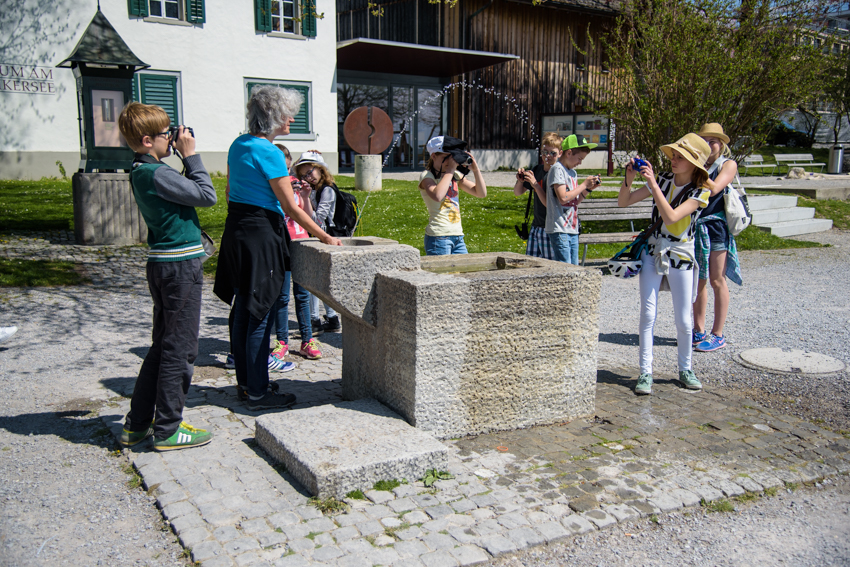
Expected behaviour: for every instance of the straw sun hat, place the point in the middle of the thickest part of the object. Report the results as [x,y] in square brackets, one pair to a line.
[692,147]
[713,130]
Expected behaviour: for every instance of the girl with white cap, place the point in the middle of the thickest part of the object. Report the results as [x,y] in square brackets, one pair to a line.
[439,185]
[670,250]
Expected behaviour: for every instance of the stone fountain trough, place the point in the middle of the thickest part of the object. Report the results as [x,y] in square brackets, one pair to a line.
[456,345]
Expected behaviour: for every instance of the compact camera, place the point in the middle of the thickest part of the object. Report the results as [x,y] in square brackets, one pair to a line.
[638,164]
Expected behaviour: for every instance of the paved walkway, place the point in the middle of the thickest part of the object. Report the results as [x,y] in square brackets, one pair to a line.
[230,505]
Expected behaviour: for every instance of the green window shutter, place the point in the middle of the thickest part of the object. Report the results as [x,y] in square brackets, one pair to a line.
[136,87]
[302,119]
[263,15]
[161,90]
[195,13]
[308,18]
[138,8]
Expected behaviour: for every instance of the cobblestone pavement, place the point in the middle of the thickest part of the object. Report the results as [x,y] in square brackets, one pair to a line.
[230,504]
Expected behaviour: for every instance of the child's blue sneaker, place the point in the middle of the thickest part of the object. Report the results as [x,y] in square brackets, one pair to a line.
[711,343]
[279,365]
[699,336]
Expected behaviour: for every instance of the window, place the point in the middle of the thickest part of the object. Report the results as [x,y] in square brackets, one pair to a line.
[161,88]
[302,128]
[165,9]
[285,17]
[192,11]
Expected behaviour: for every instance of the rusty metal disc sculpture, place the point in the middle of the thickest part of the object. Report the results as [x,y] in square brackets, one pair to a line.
[368,130]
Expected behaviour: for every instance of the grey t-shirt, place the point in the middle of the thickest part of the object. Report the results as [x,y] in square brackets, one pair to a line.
[560,218]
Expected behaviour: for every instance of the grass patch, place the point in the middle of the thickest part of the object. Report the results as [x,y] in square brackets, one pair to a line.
[16,272]
[721,505]
[838,211]
[747,497]
[356,495]
[771,491]
[386,485]
[433,475]
[792,486]
[329,506]
[46,204]
[135,480]
[312,535]
[654,519]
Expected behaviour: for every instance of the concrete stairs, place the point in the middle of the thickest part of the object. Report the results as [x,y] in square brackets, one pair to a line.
[780,215]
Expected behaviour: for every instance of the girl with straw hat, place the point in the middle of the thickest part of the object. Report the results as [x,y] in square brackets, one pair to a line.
[670,249]
[716,252]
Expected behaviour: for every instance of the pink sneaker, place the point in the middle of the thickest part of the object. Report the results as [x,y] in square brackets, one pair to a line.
[280,350]
[310,349]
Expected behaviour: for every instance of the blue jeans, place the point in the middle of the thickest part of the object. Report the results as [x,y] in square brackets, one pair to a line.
[280,321]
[565,247]
[249,340]
[444,245]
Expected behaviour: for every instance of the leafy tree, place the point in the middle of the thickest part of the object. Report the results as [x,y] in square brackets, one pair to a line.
[837,89]
[678,64]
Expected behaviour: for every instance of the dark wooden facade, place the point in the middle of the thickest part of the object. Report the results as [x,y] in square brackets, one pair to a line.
[517,93]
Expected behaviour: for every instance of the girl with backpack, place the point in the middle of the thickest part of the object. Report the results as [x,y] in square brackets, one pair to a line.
[678,197]
[716,252]
[312,170]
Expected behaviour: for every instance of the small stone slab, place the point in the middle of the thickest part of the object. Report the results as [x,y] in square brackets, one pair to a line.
[334,449]
[791,361]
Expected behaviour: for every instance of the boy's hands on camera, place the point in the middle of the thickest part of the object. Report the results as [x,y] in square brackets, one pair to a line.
[184,141]
[592,182]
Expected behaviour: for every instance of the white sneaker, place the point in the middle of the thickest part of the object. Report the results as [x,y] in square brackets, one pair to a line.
[7,332]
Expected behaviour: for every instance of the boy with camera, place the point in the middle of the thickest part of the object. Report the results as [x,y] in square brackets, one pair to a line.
[167,201]
[563,195]
[534,180]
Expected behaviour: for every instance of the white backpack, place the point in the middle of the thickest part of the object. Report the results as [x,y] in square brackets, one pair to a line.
[738,215]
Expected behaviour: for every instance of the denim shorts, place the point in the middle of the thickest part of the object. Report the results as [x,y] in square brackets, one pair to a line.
[444,245]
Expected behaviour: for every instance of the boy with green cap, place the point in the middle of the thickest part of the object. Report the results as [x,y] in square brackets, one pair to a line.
[563,195]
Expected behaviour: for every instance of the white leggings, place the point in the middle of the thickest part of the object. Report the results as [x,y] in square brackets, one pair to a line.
[681,288]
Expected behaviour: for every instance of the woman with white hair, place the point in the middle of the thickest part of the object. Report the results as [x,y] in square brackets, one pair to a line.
[254,252]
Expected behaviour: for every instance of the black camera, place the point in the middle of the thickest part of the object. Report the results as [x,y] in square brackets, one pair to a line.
[462,158]
[174,132]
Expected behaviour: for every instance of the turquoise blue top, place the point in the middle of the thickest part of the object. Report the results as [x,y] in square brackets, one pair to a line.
[252,163]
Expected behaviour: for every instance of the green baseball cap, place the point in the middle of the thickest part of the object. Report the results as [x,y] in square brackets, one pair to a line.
[572,142]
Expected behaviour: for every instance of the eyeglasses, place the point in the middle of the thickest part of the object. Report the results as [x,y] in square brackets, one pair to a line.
[167,133]
[548,154]
[308,172]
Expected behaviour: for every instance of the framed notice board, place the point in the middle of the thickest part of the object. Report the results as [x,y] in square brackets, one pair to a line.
[591,126]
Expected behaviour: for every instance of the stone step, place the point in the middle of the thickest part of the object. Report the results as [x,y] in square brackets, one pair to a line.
[337,448]
[766,202]
[767,216]
[794,228]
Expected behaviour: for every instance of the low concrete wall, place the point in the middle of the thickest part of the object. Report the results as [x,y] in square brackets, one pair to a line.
[105,211]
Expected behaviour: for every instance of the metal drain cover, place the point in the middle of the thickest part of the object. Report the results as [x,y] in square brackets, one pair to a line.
[790,361]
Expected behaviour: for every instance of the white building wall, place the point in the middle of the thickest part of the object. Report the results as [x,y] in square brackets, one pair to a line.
[213,60]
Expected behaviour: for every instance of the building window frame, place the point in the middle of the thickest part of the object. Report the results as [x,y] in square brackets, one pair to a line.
[304,128]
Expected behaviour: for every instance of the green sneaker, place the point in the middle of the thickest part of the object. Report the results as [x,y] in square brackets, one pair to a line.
[644,385]
[688,379]
[185,436]
[130,438]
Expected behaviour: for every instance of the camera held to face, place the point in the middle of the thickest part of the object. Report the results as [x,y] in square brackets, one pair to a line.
[174,132]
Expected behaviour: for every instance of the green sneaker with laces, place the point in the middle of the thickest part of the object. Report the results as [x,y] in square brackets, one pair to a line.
[185,436]
[688,379]
[130,438]
[644,385]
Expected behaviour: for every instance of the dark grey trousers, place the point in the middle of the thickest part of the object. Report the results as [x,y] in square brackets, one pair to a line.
[166,373]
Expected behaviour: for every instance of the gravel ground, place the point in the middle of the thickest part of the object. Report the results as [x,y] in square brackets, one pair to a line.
[67,497]
[67,500]
[806,527]
[796,298]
